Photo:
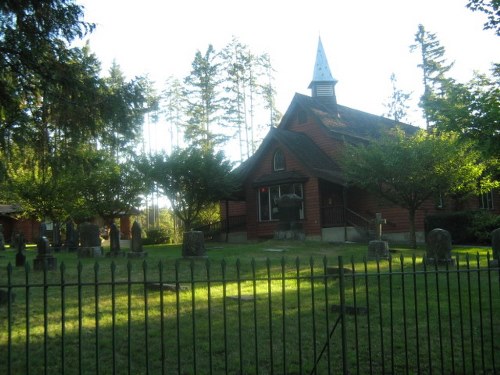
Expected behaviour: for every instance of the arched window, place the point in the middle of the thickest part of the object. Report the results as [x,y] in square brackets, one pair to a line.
[279,161]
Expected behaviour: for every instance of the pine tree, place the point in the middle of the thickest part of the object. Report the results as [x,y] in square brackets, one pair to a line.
[202,93]
[434,66]
[397,106]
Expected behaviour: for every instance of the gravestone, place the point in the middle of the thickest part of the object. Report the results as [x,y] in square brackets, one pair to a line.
[289,226]
[378,249]
[136,244]
[495,245]
[71,236]
[56,237]
[2,239]
[21,246]
[114,241]
[44,258]
[42,230]
[439,247]
[90,241]
[193,244]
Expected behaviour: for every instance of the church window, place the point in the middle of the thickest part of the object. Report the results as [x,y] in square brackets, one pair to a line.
[279,161]
[268,200]
[486,200]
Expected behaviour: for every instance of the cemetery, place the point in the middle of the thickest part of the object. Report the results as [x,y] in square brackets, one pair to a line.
[231,308]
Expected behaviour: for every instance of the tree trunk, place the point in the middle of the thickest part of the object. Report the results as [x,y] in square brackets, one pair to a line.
[413,236]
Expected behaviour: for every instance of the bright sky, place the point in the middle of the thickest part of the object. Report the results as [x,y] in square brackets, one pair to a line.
[364,40]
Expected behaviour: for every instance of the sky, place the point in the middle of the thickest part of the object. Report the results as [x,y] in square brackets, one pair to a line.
[364,41]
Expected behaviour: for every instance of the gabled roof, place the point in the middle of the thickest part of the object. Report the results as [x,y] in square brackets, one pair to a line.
[315,160]
[345,121]
[9,209]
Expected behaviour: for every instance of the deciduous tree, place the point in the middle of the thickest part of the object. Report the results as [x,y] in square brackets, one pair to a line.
[192,179]
[407,171]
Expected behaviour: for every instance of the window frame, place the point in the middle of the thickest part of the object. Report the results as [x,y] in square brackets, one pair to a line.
[279,162]
[268,196]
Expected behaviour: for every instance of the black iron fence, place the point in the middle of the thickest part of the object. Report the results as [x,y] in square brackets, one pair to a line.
[283,316]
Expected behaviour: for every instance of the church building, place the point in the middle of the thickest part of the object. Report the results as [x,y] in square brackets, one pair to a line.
[299,159]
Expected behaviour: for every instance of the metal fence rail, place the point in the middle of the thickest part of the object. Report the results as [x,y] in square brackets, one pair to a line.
[397,316]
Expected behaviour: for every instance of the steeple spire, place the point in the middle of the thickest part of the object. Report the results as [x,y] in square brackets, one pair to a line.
[323,83]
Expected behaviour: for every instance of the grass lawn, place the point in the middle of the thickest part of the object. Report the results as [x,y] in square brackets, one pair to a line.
[255,308]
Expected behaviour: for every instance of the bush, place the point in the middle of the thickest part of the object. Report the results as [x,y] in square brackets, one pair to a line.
[483,223]
[457,223]
[465,227]
[156,236]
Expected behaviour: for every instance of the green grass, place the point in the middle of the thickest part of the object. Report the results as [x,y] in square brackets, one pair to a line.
[103,319]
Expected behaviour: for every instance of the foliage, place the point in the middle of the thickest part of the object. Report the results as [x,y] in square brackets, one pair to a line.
[433,64]
[155,236]
[397,106]
[472,110]
[483,223]
[409,170]
[192,179]
[204,102]
[223,98]
[465,227]
[56,111]
[492,9]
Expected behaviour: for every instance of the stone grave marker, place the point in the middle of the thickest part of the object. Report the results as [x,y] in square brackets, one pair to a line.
[439,247]
[56,237]
[114,241]
[44,258]
[193,245]
[378,249]
[71,236]
[495,245]
[136,244]
[21,247]
[90,241]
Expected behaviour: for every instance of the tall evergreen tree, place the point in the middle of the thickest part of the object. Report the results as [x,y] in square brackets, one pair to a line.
[397,106]
[173,110]
[433,65]
[202,93]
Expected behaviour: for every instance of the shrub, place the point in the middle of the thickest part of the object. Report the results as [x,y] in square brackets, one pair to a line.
[465,227]
[483,223]
[457,223]
[156,236]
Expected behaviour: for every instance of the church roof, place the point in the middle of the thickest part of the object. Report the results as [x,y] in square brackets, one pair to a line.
[317,162]
[322,71]
[344,121]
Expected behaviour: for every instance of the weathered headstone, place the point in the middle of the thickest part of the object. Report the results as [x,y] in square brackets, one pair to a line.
[136,244]
[378,249]
[2,239]
[44,258]
[71,236]
[439,247]
[21,246]
[114,241]
[289,227]
[193,244]
[495,245]
[90,241]
[56,237]
[42,230]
